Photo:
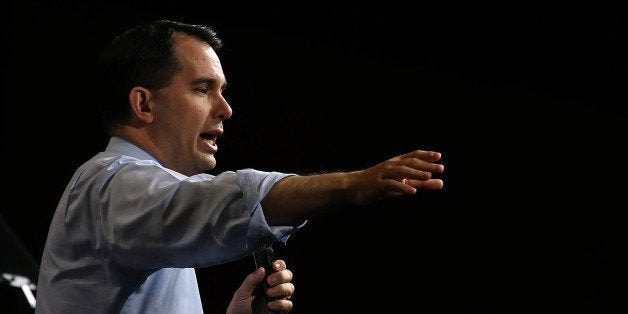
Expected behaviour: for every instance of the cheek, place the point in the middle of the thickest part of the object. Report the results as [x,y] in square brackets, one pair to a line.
[198,115]
[192,121]
[191,113]
[187,112]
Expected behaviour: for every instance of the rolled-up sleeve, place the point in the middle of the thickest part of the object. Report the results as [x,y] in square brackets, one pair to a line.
[151,217]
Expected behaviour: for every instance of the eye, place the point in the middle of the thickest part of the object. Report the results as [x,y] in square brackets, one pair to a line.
[203,90]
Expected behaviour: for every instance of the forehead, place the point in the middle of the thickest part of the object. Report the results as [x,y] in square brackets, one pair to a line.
[197,57]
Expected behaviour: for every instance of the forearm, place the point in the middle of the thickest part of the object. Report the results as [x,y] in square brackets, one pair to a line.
[296,198]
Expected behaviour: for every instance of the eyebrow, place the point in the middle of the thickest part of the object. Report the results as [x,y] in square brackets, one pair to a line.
[209,81]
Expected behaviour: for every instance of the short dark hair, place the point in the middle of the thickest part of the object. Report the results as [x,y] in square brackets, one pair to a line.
[141,56]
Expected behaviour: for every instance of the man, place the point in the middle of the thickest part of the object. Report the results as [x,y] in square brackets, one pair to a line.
[136,219]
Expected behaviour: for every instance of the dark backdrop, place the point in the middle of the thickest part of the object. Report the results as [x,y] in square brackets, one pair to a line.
[526,101]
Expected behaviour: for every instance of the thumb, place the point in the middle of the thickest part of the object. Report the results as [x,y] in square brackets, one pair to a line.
[249,284]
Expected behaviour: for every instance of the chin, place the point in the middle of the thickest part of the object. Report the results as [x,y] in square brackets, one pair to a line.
[210,163]
[204,164]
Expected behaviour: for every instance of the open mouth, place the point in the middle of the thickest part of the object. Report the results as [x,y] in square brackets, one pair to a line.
[209,137]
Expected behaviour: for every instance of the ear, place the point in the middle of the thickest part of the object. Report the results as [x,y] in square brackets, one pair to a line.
[139,100]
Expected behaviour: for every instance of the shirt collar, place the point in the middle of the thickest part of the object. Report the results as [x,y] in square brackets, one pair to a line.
[122,146]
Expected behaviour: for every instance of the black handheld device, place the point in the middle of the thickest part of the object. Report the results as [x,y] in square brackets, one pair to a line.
[264,258]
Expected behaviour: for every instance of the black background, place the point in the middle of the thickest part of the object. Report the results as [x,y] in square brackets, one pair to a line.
[526,102]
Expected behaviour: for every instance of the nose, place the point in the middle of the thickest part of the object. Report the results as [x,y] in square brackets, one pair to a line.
[222,109]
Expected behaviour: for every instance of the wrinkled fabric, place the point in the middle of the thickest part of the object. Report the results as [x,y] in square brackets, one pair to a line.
[128,233]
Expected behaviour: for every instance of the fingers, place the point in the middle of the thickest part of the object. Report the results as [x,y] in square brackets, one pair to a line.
[417,164]
[281,273]
[279,265]
[430,184]
[408,173]
[281,288]
[280,281]
[281,295]
[281,306]
[423,165]
[417,169]
[429,156]
[413,175]
[282,291]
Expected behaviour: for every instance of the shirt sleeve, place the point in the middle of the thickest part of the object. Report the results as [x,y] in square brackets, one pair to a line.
[152,217]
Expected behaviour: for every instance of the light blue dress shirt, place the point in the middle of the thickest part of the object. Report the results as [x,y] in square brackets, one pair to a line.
[128,233]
